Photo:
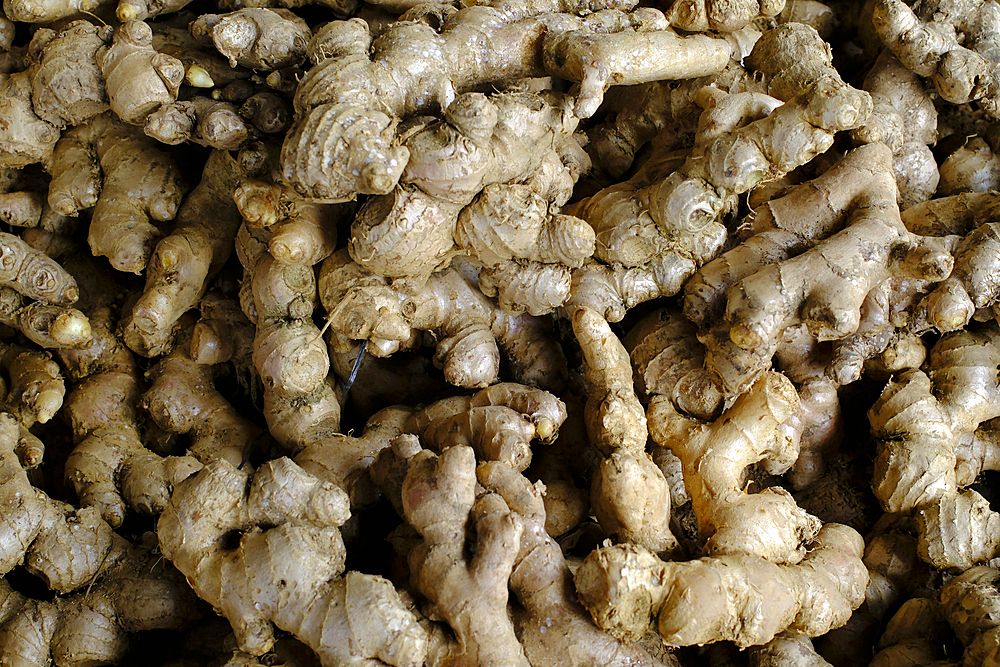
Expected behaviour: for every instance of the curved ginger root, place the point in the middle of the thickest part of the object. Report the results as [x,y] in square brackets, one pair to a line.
[739,598]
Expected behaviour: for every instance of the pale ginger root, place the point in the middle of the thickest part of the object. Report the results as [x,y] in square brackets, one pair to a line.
[259,38]
[48,11]
[739,598]
[350,100]
[787,651]
[664,223]
[951,42]
[916,634]
[554,628]
[67,548]
[128,180]
[971,602]
[468,592]
[928,450]
[837,291]
[139,592]
[973,167]
[714,458]
[183,262]
[204,67]
[201,120]
[286,569]
[139,79]
[109,468]
[518,137]
[904,118]
[222,333]
[629,493]
[723,16]
[470,329]
[44,324]
[527,252]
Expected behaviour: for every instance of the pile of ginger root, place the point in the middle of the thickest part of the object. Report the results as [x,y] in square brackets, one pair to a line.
[482,332]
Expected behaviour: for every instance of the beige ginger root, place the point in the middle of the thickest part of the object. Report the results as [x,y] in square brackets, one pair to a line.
[739,598]
[139,79]
[139,592]
[723,16]
[970,602]
[201,120]
[183,262]
[928,450]
[259,38]
[287,568]
[128,180]
[358,96]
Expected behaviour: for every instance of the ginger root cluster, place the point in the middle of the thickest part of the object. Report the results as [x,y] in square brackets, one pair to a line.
[503,334]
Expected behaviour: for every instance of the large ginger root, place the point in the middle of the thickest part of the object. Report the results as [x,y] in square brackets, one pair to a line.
[350,101]
[258,38]
[629,493]
[905,119]
[952,42]
[469,593]
[139,79]
[832,288]
[724,16]
[929,448]
[34,386]
[183,262]
[286,569]
[469,327]
[970,602]
[139,592]
[739,598]
[657,229]
[126,178]
[201,120]
[714,458]
[555,629]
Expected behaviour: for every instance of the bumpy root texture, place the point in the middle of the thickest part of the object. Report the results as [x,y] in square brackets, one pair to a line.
[46,11]
[714,459]
[527,252]
[286,569]
[787,651]
[34,384]
[905,119]
[953,44]
[720,15]
[109,468]
[739,598]
[837,288]
[44,324]
[201,120]
[629,493]
[92,627]
[971,603]
[183,262]
[126,178]
[469,592]
[507,138]
[258,38]
[67,548]
[139,79]
[344,103]
[665,221]
[554,628]
[926,426]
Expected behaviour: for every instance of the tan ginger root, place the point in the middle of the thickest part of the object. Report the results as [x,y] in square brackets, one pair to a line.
[714,457]
[139,79]
[201,120]
[286,569]
[126,178]
[839,293]
[721,15]
[67,548]
[183,262]
[469,593]
[952,42]
[905,119]
[258,38]
[44,324]
[140,592]
[929,448]
[739,598]
[657,229]
[470,329]
[970,602]
[34,385]
[350,101]
[554,628]
[629,493]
